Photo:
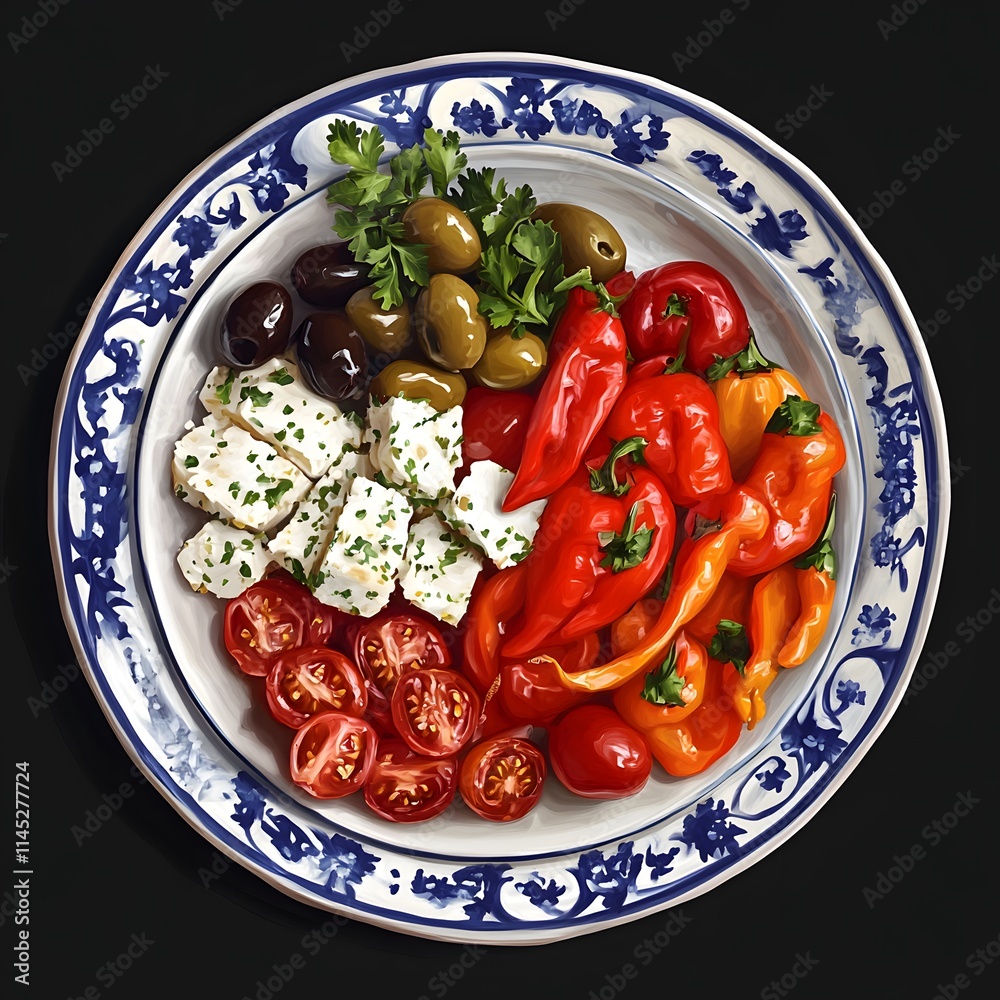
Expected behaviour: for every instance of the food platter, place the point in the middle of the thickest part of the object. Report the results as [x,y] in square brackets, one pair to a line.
[681,178]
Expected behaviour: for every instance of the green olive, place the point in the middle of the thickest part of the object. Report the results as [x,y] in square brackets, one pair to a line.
[452,242]
[449,327]
[441,389]
[510,362]
[387,331]
[588,239]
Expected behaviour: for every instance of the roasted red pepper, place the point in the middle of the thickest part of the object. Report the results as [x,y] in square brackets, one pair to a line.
[601,544]
[587,362]
[685,304]
[677,414]
[492,608]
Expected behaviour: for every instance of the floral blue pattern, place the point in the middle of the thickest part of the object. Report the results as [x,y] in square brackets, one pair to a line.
[709,831]
[874,625]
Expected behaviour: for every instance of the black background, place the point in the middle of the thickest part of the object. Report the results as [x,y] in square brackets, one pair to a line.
[139,874]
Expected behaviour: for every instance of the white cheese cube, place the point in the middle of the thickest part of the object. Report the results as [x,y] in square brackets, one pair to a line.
[222,469]
[506,537]
[274,404]
[223,560]
[440,571]
[358,570]
[415,446]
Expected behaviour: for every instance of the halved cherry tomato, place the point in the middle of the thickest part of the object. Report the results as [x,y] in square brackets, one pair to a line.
[494,424]
[332,754]
[271,616]
[597,756]
[379,711]
[435,711]
[313,679]
[405,788]
[391,644]
[502,778]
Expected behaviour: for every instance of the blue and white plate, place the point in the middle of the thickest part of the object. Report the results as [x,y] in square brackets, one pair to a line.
[679,178]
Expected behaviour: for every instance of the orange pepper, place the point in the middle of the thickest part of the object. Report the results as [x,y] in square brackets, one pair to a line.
[731,601]
[773,611]
[688,661]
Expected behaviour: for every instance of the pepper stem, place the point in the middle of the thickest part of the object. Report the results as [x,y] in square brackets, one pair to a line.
[604,480]
[749,361]
[822,557]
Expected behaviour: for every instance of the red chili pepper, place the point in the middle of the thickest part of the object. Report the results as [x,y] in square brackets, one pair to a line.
[685,299]
[677,413]
[601,544]
[495,605]
[587,362]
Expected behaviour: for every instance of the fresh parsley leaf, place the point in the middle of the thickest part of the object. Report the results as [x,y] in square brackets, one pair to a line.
[477,197]
[275,493]
[444,159]
[354,148]
[515,209]
[663,686]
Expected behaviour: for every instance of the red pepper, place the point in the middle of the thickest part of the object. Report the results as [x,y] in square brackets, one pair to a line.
[529,692]
[677,413]
[495,605]
[601,544]
[685,299]
[587,362]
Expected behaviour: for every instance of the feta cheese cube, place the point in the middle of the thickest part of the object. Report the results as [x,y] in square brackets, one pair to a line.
[300,545]
[440,571]
[274,403]
[225,471]
[415,446]
[223,560]
[358,570]
[506,537]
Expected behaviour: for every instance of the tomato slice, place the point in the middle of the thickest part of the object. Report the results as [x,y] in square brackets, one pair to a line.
[312,679]
[404,787]
[502,778]
[597,756]
[390,645]
[332,754]
[435,711]
[271,616]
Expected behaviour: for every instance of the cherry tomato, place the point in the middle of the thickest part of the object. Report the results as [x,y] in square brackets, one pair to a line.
[597,756]
[502,778]
[271,616]
[435,711]
[314,679]
[332,754]
[530,691]
[392,644]
[494,424]
[405,788]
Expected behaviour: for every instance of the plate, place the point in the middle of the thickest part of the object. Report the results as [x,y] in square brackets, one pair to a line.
[680,178]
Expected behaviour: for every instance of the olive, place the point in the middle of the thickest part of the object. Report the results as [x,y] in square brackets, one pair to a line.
[449,327]
[256,325]
[387,331]
[332,355]
[452,242]
[328,275]
[588,239]
[510,362]
[441,389]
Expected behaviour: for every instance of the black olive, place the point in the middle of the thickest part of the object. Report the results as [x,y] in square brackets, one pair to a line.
[332,355]
[256,326]
[328,275]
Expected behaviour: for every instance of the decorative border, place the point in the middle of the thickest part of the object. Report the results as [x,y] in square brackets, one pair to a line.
[526,99]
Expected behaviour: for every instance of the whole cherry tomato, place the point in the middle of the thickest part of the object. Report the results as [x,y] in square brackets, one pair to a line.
[494,424]
[332,754]
[271,616]
[435,711]
[312,679]
[405,788]
[685,305]
[392,644]
[502,778]
[597,756]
